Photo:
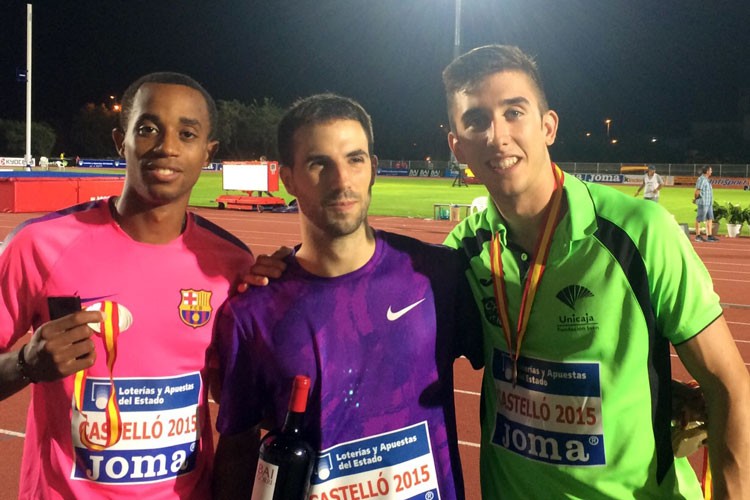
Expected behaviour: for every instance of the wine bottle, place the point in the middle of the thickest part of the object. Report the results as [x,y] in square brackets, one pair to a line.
[285,460]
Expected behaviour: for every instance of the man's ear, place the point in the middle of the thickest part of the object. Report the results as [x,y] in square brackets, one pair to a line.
[374,167]
[211,149]
[550,121]
[455,146]
[287,177]
[119,137]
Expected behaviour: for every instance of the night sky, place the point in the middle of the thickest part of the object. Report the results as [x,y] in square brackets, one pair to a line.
[651,66]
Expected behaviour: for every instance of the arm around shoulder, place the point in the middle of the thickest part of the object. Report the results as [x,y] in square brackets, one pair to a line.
[713,359]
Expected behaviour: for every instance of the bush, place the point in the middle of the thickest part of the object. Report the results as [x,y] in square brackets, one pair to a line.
[720,212]
[735,214]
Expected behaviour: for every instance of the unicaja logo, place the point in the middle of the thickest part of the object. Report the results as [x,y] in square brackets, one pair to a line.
[571,294]
[576,322]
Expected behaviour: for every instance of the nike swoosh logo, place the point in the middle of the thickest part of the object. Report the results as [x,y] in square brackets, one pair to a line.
[393,316]
[85,300]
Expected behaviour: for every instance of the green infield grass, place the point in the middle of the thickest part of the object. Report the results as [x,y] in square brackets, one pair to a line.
[414,197]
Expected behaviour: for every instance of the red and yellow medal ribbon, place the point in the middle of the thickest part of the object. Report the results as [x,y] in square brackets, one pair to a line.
[707,480]
[109,330]
[533,277]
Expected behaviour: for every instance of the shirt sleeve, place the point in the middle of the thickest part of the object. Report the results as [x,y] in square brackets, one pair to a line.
[239,410]
[453,240]
[21,286]
[469,338]
[682,292]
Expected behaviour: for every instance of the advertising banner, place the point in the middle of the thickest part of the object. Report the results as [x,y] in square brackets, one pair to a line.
[606,178]
[6,161]
[398,172]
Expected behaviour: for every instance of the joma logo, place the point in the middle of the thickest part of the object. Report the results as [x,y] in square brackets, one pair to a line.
[546,448]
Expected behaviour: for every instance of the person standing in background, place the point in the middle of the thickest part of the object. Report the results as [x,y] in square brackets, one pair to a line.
[704,200]
[652,182]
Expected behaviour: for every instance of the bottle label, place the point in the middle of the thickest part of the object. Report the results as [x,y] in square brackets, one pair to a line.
[265,480]
[397,465]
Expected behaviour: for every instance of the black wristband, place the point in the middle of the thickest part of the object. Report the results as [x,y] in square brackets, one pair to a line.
[23,368]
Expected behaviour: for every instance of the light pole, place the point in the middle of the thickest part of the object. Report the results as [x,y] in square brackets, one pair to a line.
[456,51]
[27,156]
[457,31]
[608,121]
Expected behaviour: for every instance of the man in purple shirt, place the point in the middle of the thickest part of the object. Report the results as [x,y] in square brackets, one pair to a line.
[374,319]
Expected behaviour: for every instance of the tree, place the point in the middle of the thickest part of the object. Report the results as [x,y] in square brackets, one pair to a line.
[13,138]
[248,131]
[230,130]
[91,131]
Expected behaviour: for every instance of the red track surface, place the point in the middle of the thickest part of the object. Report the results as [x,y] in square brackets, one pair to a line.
[728,261]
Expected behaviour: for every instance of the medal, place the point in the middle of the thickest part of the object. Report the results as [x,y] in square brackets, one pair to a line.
[533,277]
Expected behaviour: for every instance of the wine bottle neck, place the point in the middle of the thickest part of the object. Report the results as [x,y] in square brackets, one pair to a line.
[293,423]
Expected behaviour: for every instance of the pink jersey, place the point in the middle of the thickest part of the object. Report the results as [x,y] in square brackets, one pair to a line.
[171,292]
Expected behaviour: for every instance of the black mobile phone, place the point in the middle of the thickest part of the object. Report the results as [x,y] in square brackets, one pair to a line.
[62,306]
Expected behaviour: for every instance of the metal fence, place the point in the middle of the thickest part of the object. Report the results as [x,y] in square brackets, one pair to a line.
[687,169]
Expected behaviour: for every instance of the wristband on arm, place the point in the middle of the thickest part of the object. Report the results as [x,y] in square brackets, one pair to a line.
[23,368]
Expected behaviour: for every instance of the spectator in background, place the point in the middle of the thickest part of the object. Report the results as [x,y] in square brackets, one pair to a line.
[652,182]
[704,201]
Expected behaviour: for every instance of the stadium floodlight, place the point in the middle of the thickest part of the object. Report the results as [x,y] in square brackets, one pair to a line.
[457,31]
[456,51]
[28,85]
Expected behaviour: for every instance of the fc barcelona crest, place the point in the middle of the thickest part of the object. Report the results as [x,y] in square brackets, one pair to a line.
[195,307]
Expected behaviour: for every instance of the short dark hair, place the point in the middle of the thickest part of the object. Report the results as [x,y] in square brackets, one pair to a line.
[468,70]
[169,78]
[705,168]
[319,108]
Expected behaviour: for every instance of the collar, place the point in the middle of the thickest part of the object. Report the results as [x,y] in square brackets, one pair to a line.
[579,220]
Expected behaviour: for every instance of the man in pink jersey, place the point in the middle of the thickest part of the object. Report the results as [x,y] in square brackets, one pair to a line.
[119,403]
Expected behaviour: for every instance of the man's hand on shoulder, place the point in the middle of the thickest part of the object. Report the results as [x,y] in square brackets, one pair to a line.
[265,267]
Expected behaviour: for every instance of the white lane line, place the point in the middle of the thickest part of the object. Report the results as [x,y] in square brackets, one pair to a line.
[735,306]
[12,433]
[470,393]
[467,443]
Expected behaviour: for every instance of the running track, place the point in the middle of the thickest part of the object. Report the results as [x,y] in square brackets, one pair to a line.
[728,261]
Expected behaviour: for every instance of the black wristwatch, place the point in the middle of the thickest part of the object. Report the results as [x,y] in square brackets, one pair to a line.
[23,368]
